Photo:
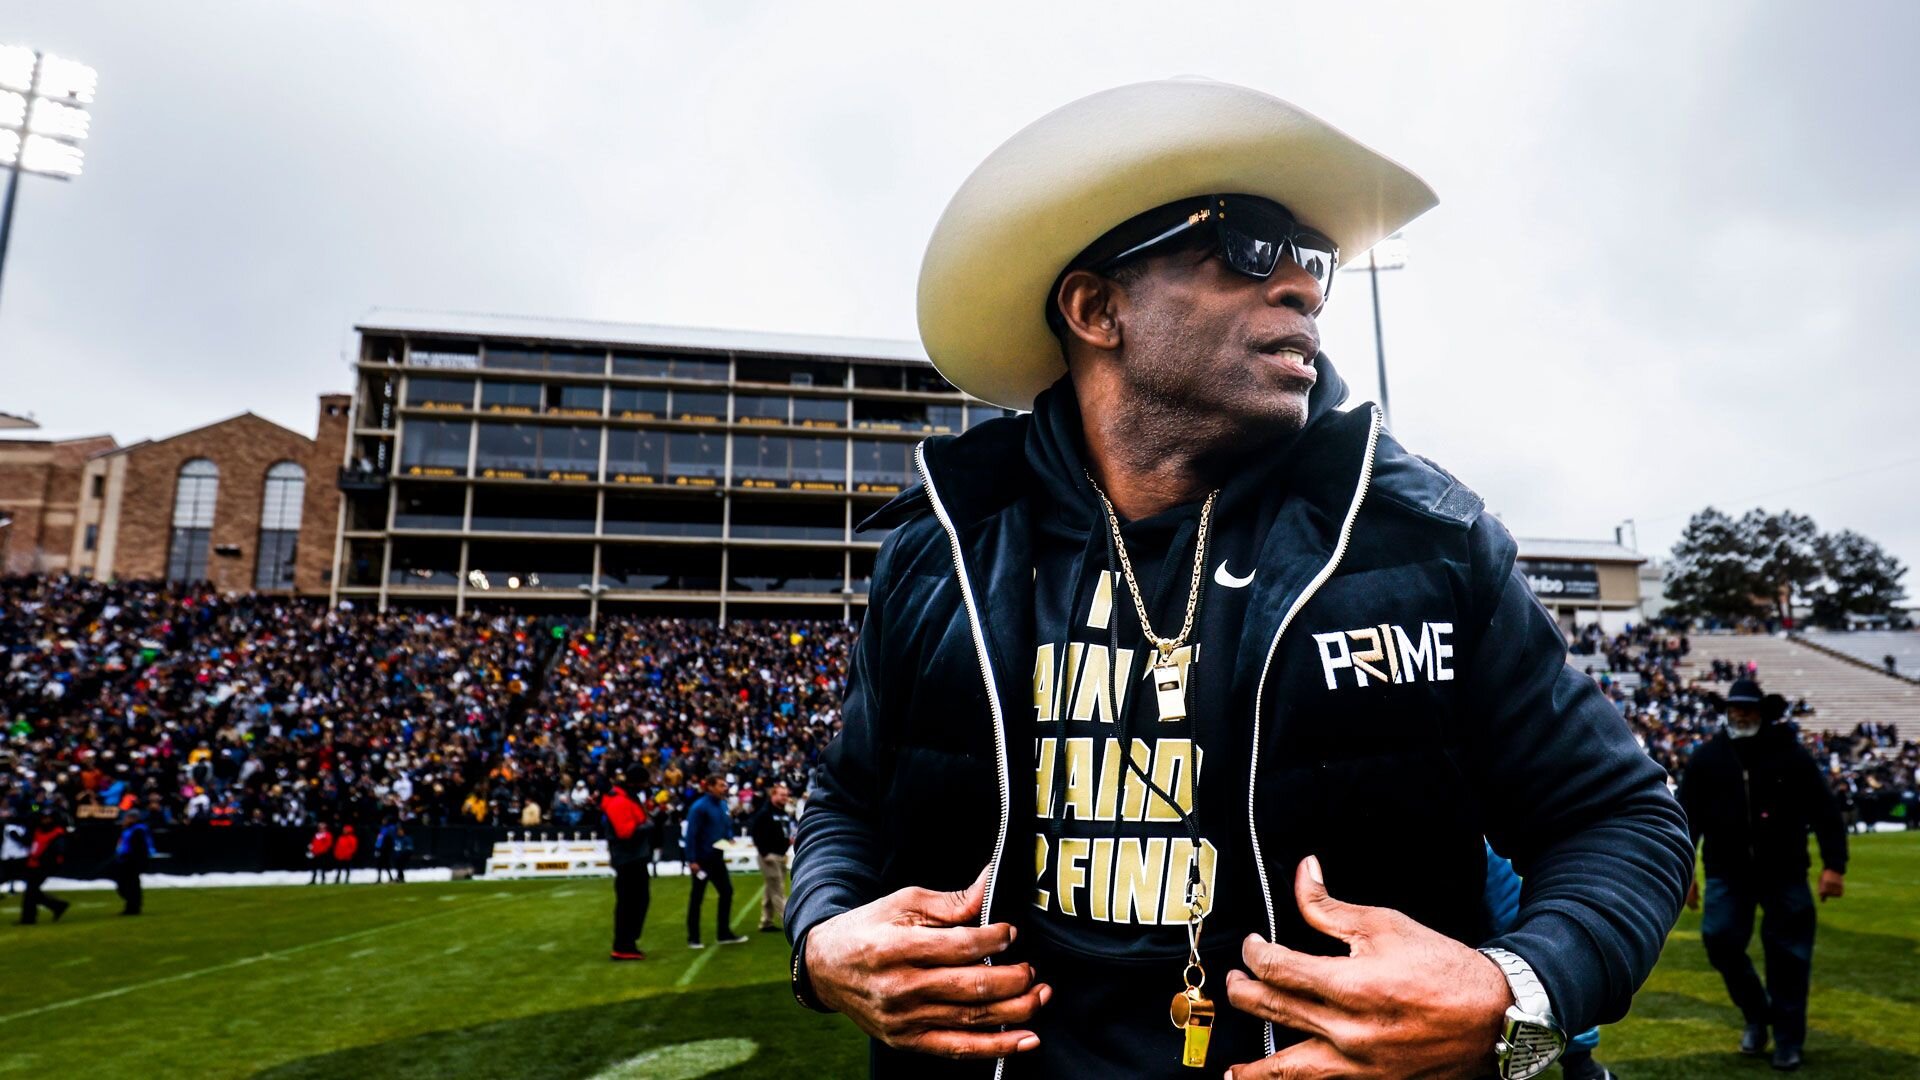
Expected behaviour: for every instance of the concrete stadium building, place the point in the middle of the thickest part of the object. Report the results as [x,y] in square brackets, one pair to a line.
[596,467]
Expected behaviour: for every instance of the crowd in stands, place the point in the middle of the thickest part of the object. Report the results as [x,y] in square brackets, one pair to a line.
[201,709]
[204,709]
[1875,775]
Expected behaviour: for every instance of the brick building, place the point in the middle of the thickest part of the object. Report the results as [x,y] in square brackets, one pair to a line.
[40,501]
[244,503]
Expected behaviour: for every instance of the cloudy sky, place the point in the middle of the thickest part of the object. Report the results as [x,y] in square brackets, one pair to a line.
[1675,260]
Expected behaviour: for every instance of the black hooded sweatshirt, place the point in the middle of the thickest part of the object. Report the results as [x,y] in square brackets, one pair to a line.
[1109,902]
[1754,800]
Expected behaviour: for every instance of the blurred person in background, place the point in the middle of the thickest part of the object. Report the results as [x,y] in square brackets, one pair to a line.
[707,825]
[402,849]
[383,850]
[46,853]
[772,830]
[13,850]
[319,853]
[345,847]
[625,820]
[1752,794]
[131,856]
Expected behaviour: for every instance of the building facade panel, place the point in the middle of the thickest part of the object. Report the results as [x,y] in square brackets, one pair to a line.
[548,466]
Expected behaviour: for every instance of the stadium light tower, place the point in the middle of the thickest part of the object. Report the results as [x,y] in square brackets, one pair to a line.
[1388,254]
[43,120]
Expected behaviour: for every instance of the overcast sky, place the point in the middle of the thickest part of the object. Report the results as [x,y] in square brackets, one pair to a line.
[1675,259]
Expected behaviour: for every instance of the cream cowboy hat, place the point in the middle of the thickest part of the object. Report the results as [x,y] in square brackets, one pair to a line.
[1067,178]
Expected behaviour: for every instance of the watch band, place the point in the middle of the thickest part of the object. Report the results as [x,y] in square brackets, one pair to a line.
[1531,1039]
[1528,993]
[799,981]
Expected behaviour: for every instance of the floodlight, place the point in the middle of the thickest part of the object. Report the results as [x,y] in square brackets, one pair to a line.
[1388,254]
[61,121]
[13,109]
[16,67]
[9,147]
[50,157]
[66,80]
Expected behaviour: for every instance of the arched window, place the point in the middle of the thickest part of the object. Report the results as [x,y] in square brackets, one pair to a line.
[280,526]
[193,499]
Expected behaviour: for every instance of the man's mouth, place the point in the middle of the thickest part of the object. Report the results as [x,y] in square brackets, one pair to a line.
[1295,351]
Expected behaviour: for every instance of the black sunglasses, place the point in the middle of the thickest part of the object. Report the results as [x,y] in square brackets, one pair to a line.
[1252,235]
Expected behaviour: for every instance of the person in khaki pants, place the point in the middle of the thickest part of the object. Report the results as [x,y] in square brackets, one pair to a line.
[772,830]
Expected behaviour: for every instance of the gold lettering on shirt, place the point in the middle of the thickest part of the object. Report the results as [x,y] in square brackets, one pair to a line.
[1045,753]
[1099,907]
[1042,899]
[1043,684]
[1091,689]
[1102,607]
[1071,873]
[1139,867]
[1080,780]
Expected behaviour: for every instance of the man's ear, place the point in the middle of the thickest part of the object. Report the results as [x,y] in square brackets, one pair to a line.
[1089,305]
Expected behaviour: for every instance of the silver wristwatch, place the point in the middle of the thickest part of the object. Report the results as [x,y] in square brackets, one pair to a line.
[1531,1039]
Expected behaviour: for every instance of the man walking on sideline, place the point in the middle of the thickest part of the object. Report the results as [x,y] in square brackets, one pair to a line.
[707,825]
[772,832]
[626,824]
[1752,793]
[130,858]
[46,853]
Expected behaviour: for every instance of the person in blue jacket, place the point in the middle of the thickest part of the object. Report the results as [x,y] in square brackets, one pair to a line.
[708,823]
[130,858]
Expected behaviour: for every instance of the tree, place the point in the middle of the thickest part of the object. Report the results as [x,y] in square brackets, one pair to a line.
[1713,574]
[1860,578]
[1783,550]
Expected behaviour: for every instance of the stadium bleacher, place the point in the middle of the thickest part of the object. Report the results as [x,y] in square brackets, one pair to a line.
[1872,647]
[1843,694]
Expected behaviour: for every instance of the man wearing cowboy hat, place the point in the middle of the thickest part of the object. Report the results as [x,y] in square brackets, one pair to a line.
[1752,793]
[1189,697]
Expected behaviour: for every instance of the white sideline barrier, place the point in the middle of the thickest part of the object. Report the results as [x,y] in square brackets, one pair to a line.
[588,858]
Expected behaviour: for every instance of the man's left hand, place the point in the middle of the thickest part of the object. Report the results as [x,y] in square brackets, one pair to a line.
[1405,1002]
[1833,885]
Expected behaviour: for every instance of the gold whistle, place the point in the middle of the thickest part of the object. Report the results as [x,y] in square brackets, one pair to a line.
[1193,1015]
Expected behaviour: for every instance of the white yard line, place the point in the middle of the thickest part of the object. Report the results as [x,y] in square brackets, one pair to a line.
[244,961]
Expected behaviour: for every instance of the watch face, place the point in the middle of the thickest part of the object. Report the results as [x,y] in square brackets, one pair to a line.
[1530,1049]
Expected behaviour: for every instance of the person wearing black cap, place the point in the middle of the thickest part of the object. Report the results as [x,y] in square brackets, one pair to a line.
[1753,793]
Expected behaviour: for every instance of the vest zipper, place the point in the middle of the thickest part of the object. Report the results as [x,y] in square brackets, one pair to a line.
[1259,697]
[993,702]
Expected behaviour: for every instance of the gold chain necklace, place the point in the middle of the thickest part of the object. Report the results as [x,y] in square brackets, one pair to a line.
[1165,646]
[1192,1012]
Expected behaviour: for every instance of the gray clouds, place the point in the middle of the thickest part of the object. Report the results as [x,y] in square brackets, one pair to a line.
[1670,265]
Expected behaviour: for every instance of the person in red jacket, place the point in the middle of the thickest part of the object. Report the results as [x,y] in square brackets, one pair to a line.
[45,852]
[626,823]
[345,846]
[319,850]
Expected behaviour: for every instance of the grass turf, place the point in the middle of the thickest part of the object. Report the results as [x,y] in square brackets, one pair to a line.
[480,979]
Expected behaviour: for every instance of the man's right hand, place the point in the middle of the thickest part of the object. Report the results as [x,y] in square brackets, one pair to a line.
[1693,895]
[907,970]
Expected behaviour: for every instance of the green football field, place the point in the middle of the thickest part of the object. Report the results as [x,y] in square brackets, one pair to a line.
[510,979]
